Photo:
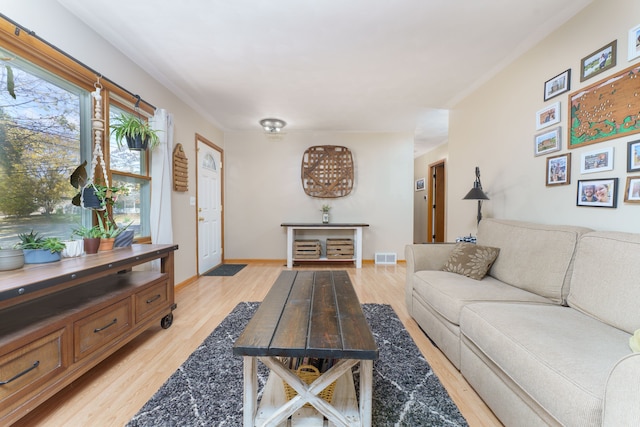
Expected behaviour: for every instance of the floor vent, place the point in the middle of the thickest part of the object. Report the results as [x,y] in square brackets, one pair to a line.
[385,258]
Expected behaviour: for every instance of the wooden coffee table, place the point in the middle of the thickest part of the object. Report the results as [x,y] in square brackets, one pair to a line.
[313,314]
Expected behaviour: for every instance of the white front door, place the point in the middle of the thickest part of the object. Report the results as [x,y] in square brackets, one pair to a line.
[209,207]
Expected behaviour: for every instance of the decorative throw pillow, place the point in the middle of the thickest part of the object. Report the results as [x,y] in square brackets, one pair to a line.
[471,260]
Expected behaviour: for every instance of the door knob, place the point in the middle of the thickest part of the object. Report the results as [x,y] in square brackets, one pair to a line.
[200,218]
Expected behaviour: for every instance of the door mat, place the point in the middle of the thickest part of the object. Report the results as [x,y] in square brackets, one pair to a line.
[226,270]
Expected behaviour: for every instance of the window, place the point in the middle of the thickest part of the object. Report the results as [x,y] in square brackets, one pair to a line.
[41,143]
[45,133]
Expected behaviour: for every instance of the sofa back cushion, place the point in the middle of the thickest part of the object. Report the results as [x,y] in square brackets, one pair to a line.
[606,278]
[535,257]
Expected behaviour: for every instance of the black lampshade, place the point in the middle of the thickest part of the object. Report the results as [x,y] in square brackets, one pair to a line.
[475,193]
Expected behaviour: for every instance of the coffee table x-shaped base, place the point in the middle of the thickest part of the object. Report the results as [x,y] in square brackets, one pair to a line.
[307,393]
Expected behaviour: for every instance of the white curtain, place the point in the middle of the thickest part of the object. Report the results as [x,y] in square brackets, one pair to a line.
[161,223]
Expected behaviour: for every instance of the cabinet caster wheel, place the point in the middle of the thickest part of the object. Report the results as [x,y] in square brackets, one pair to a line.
[166,321]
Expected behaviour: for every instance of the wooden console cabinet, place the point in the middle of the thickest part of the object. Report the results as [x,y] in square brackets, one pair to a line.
[59,320]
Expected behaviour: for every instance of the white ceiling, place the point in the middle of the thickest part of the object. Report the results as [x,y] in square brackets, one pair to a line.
[325,65]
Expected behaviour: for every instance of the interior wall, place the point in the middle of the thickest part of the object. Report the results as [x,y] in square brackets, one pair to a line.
[263,189]
[420,198]
[494,128]
[56,25]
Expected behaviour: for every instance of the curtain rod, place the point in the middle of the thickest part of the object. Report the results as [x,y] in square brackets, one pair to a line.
[33,34]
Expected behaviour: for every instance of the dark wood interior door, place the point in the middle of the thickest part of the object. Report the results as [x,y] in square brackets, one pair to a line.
[436,217]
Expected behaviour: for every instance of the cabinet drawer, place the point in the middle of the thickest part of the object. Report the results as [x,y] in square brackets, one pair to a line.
[149,300]
[100,328]
[30,365]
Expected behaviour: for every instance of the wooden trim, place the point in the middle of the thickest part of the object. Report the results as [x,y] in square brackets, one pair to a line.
[28,46]
[430,198]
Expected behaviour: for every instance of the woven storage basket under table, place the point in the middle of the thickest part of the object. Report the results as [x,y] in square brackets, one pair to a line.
[309,374]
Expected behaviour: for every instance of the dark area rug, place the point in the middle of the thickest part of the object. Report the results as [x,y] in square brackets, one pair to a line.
[226,270]
[207,389]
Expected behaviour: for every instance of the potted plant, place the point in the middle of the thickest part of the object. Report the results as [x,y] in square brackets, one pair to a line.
[11,259]
[325,213]
[109,230]
[90,237]
[137,132]
[38,249]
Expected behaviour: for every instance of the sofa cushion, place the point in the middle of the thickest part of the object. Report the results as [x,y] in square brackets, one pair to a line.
[471,260]
[534,257]
[606,278]
[446,293]
[558,355]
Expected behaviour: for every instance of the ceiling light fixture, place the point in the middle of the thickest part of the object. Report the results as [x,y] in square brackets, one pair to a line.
[272,125]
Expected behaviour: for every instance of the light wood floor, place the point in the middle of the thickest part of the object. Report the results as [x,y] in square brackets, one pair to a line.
[111,393]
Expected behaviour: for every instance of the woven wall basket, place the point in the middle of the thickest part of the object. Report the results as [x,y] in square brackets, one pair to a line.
[327,171]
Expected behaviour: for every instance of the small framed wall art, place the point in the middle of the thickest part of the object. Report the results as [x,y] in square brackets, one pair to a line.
[598,61]
[599,193]
[597,161]
[547,142]
[557,85]
[420,184]
[634,43]
[559,170]
[633,156]
[632,190]
[548,116]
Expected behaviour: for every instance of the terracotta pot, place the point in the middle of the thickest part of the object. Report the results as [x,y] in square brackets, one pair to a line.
[106,243]
[91,245]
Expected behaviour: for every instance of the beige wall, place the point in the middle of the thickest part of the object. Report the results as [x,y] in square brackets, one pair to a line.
[54,24]
[420,207]
[263,189]
[494,128]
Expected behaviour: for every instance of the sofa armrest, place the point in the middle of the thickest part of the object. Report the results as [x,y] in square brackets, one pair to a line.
[622,393]
[428,256]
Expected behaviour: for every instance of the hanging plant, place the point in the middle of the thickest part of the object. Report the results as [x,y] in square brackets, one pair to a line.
[138,134]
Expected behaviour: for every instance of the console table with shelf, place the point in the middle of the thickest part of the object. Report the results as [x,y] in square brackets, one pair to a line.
[59,320]
[293,227]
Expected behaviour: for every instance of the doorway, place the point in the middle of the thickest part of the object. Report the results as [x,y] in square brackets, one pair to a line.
[209,204]
[436,203]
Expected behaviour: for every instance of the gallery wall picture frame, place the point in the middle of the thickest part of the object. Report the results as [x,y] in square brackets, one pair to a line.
[605,110]
[634,43]
[548,116]
[633,156]
[598,193]
[557,85]
[599,61]
[420,184]
[547,142]
[632,190]
[597,161]
[559,170]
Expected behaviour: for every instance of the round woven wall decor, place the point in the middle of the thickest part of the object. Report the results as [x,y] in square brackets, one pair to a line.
[327,171]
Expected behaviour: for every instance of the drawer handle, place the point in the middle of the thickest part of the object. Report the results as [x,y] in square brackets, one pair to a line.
[152,299]
[34,366]
[113,322]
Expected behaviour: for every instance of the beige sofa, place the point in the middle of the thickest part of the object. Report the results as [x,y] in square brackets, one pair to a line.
[544,337]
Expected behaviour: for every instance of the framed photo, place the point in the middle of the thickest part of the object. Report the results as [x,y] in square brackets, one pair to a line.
[559,170]
[420,184]
[557,85]
[633,156]
[548,116]
[600,193]
[547,142]
[634,43]
[598,61]
[605,109]
[632,190]
[597,161]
